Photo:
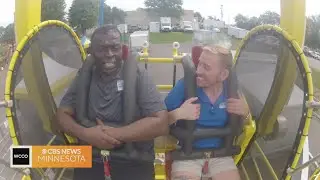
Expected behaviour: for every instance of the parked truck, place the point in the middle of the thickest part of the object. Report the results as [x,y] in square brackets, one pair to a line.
[165,24]
[187,26]
[137,40]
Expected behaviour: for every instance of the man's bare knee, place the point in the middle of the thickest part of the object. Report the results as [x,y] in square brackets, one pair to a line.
[184,176]
[232,174]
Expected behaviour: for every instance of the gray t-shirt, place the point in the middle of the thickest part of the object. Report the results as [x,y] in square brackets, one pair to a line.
[105,100]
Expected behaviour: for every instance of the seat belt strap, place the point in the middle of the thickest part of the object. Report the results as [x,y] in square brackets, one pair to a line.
[205,168]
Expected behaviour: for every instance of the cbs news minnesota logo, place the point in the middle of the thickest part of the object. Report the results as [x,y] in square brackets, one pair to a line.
[50,156]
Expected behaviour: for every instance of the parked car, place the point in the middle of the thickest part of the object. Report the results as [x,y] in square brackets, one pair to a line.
[217,30]
[311,53]
[188,29]
[132,29]
[177,28]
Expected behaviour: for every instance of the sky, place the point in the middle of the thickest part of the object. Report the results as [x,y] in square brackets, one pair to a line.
[206,7]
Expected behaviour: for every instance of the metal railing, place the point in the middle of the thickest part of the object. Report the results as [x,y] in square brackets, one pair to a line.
[176,58]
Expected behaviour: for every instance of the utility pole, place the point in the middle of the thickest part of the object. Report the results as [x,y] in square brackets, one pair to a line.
[221,8]
[101,13]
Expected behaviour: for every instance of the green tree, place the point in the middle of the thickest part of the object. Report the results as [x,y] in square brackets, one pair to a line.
[8,35]
[53,10]
[107,14]
[248,23]
[166,8]
[118,16]
[253,22]
[313,32]
[1,30]
[113,15]
[83,15]
[198,16]
[270,17]
[241,21]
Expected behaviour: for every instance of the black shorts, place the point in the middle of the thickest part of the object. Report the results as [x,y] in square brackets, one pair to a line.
[118,170]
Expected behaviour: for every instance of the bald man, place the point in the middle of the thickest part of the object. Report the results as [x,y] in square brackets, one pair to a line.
[105,105]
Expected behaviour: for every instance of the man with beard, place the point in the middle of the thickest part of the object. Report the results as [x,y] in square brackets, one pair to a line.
[105,105]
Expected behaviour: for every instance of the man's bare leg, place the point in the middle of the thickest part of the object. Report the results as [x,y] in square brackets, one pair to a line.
[186,170]
[223,169]
[185,176]
[230,175]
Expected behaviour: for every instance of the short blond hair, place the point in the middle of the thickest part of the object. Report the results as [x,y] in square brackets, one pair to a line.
[225,54]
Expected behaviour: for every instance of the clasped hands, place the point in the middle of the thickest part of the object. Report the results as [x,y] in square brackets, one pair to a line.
[100,136]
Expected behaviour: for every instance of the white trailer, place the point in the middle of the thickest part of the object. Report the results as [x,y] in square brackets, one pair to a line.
[237,32]
[137,39]
[165,23]
[209,24]
[154,26]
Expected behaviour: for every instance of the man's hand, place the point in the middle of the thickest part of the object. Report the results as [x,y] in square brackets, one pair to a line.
[140,130]
[98,138]
[188,110]
[106,129]
[238,107]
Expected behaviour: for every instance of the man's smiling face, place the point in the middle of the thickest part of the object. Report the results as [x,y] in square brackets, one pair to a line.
[107,50]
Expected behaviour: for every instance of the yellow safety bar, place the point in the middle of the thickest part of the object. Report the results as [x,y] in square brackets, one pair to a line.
[315,175]
[147,59]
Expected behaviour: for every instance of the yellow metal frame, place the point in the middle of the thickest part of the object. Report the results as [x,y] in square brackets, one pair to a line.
[160,60]
[315,175]
[12,66]
[22,92]
[305,64]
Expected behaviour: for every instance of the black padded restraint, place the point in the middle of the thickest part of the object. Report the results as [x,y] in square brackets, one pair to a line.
[187,134]
[83,92]
[129,105]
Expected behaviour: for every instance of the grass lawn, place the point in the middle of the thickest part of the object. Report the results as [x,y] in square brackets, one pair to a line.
[170,37]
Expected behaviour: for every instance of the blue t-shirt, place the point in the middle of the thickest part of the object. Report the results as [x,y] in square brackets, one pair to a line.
[211,115]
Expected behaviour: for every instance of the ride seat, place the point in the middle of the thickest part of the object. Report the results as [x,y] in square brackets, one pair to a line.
[195,54]
[125,52]
[230,131]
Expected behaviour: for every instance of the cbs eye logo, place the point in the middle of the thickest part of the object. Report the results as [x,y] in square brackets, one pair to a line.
[20,156]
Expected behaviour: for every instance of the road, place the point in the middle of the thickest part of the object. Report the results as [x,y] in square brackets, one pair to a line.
[5,141]
[162,74]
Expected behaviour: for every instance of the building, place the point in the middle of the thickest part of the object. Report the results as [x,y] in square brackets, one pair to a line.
[210,24]
[137,18]
[141,17]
